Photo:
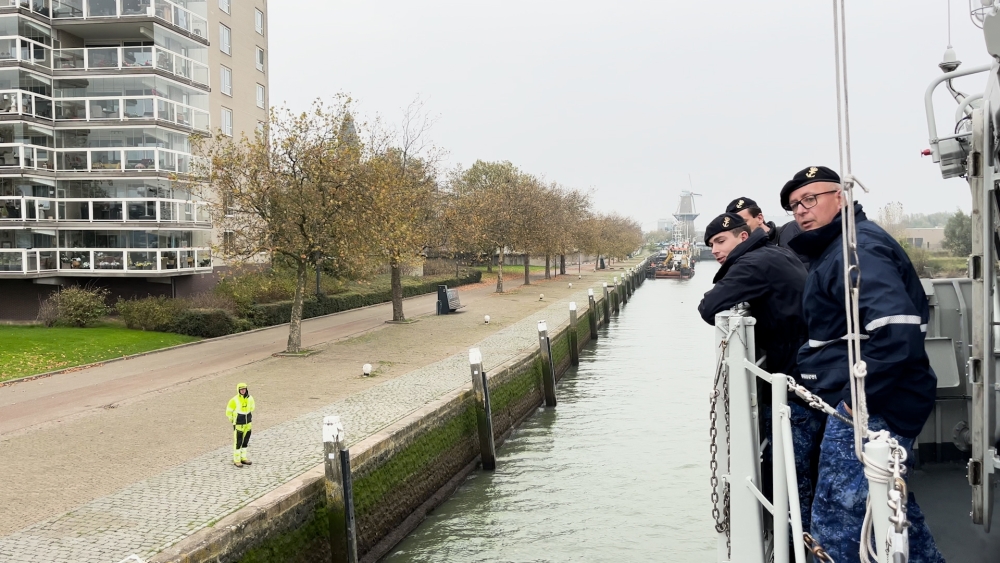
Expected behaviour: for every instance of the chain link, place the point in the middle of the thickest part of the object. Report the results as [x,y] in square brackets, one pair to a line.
[720,514]
[819,554]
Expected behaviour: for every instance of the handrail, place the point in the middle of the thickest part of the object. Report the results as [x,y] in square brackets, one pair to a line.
[154,57]
[929,103]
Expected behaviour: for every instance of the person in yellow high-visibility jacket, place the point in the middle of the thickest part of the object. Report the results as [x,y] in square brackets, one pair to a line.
[239,411]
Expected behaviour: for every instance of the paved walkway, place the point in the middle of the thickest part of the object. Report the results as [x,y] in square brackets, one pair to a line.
[150,514]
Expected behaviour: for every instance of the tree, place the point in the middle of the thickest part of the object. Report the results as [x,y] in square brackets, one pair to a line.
[400,197]
[487,204]
[958,234]
[891,219]
[290,193]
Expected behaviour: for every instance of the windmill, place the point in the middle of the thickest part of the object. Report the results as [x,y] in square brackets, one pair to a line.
[686,214]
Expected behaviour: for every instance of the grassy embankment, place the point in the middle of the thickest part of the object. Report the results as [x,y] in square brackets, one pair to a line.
[30,350]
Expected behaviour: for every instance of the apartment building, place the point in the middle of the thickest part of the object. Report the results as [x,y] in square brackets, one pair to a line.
[98,103]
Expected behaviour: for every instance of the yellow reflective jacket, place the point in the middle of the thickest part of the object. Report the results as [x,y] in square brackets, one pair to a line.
[239,411]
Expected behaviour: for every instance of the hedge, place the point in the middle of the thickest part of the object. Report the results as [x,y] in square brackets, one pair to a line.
[271,314]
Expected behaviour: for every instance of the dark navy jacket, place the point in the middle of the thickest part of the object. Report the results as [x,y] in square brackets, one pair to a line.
[771,280]
[900,386]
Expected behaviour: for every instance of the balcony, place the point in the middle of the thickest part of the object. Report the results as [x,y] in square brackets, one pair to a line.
[104,109]
[104,261]
[20,49]
[17,157]
[129,58]
[104,10]
[146,211]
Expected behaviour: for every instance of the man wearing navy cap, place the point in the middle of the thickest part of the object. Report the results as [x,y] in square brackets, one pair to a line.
[751,212]
[770,279]
[900,385]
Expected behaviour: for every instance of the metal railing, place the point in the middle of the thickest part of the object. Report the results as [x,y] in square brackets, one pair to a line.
[104,108]
[163,10]
[16,48]
[124,159]
[91,210]
[22,261]
[120,58]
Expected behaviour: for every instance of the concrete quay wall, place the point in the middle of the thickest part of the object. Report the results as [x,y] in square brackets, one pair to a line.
[400,472]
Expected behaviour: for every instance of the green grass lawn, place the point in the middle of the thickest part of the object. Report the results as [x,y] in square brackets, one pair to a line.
[29,350]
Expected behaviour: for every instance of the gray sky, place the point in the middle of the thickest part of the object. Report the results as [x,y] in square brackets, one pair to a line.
[628,98]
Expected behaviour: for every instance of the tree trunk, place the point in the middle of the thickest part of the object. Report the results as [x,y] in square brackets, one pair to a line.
[396,283]
[499,272]
[295,323]
[489,264]
[548,274]
[527,269]
[562,264]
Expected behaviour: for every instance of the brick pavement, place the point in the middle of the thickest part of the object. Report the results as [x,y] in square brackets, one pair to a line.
[152,514]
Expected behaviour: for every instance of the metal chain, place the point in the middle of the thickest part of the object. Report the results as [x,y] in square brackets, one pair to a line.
[819,554]
[720,515]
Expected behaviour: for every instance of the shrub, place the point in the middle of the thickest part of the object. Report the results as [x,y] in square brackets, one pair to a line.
[206,323]
[80,306]
[209,300]
[150,313]
[48,310]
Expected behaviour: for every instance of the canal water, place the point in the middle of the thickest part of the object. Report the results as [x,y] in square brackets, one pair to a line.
[618,471]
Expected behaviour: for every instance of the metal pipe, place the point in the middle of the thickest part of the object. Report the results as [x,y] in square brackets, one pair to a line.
[781,494]
[929,102]
[963,107]
[878,495]
[791,479]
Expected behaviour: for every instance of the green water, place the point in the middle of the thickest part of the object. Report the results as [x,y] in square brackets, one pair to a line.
[618,471]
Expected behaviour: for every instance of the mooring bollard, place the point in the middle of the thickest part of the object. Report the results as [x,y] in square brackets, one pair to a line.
[548,368]
[339,492]
[607,304]
[592,314]
[484,414]
[574,339]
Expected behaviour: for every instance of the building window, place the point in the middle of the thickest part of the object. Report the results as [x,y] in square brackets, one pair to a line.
[224,6]
[260,126]
[227,80]
[227,122]
[260,59]
[258,21]
[228,242]
[260,96]
[225,39]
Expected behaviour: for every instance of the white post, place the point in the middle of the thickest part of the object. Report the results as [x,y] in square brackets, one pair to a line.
[878,495]
[746,522]
[780,498]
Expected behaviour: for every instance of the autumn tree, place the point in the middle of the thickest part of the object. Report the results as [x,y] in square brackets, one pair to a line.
[487,203]
[290,193]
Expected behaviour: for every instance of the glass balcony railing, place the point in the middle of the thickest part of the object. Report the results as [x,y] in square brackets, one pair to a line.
[14,48]
[104,109]
[42,7]
[103,58]
[164,10]
[136,159]
[21,261]
[97,210]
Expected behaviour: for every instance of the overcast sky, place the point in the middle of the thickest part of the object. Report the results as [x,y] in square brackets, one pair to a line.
[629,98]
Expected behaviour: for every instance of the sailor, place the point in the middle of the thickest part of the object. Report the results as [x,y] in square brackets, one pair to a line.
[239,411]
[770,279]
[900,384]
[750,211]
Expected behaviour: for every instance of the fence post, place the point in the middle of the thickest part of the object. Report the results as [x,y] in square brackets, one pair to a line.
[339,493]
[623,289]
[548,367]
[574,339]
[607,304]
[484,414]
[615,298]
[592,314]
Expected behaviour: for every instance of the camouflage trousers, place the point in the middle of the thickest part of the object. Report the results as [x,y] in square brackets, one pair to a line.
[842,492]
[807,431]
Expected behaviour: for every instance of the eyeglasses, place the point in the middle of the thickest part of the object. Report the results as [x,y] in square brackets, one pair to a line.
[808,202]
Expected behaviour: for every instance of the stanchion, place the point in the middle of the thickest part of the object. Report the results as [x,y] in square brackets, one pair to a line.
[592,314]
[574,339]
[339,493]
[484,414]
[548,368]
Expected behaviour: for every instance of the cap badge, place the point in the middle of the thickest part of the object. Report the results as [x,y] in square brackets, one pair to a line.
[812,172]
[725,222]
[739,204]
